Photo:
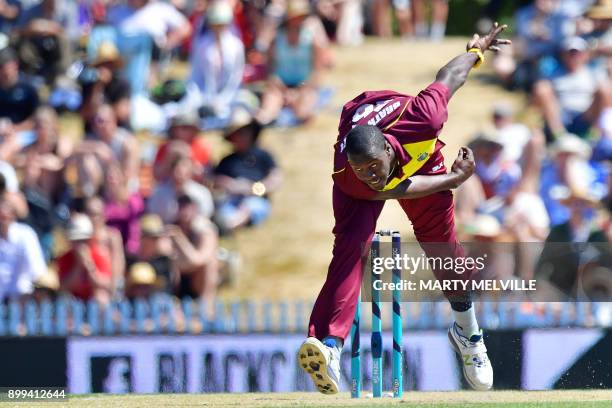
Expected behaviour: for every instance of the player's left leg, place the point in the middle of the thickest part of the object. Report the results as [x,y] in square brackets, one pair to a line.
[434,226]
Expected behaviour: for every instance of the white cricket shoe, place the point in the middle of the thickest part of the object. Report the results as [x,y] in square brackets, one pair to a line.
[477,368]
[322,363]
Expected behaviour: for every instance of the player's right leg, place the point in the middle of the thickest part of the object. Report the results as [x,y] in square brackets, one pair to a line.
[433,221]
[334,309]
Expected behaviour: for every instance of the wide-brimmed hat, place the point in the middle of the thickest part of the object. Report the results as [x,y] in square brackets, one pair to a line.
[108,53]
[142,273]
[483,225]
[219,13]
[79,228]
[602,10]
[239,119]
[570,143]
[297,8]
[48,280]
[190,119]
[151,225]
[487,136]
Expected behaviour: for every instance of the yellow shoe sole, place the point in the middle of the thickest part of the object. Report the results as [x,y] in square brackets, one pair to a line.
[311,358]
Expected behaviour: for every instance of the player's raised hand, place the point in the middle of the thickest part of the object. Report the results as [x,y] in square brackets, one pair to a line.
[464,164]
[489,41]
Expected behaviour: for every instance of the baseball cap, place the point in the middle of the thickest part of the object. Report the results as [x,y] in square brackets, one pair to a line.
[569,143]
[79,228]
[151,225]
[503,110]
[7,54]
[602,10]
[574,44]
[219,13]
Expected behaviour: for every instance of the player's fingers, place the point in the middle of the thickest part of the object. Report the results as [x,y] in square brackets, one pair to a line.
[502,41]
[468,153]
[494,48]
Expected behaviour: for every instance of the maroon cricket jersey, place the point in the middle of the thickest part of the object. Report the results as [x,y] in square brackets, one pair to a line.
[410,124]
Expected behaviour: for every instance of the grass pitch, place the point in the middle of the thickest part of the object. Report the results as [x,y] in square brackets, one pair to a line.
[461,399]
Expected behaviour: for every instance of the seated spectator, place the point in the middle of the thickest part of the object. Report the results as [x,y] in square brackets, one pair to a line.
[110,239]
[439,14]
[122,208]
[496,190]
[569,168]
[520,145]
[246,177]
[562,265]
[217,63]
[155,250]
[185,128]
[18,98]
[539,30]
[102,83]
[575,95]
[21,259]
[146,29]
[296,62]
[498,174]
[42,165]
[109,142]
[10,186]
[85,270]
[195,243]
[8,15]
[47,32]
[164,199]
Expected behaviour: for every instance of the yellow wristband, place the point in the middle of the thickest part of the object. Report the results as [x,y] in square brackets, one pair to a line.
[481,57]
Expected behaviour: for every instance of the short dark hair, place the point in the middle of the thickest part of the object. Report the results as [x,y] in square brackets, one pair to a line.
[364,141]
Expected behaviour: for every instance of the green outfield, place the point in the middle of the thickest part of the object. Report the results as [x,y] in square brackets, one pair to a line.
[502,399]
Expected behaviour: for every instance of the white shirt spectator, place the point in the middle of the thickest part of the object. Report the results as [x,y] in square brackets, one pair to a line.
[163,201]
[21,261]
[10,177]
[156,19]
[576,90]
[218,70]
[513,137]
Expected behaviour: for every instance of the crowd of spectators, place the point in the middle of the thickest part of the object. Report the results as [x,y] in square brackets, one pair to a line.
[107,216]
[547,184]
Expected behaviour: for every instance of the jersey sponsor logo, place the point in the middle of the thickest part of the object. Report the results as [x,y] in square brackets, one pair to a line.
[437,167]
[422,156]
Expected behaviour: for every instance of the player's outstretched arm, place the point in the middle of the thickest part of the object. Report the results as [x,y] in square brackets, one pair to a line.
[420,186]
[454,74]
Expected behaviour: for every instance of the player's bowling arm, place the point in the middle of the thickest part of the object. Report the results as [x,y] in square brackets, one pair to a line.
[455,73]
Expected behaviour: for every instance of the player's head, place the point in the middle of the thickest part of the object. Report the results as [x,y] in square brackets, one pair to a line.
[370,155]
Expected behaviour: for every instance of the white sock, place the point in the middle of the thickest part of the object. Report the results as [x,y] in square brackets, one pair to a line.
[437,31]
[466,322]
